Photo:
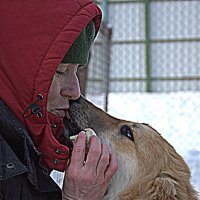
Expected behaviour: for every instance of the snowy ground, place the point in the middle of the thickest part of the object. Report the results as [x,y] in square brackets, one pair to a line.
[175,115]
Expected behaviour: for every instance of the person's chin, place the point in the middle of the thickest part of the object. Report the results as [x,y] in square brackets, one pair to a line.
[57,113]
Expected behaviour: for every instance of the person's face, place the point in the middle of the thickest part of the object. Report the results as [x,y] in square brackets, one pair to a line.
[64,86]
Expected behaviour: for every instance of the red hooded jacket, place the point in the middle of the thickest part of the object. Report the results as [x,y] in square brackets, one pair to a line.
[34,37]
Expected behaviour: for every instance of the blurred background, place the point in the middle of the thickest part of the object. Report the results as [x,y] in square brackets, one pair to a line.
[145,67]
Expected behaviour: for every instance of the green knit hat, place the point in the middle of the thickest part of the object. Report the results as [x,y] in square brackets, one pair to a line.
[78,53]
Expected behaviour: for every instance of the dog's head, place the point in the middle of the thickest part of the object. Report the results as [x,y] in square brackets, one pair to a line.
[149,167]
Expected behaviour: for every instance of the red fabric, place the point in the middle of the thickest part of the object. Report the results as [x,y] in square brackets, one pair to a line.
[34,37]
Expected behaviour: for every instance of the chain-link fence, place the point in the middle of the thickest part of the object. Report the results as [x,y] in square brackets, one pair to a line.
[155,47]
[97,87]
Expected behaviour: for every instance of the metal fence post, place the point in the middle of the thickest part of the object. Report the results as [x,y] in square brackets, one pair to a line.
[108,52]
[147,47]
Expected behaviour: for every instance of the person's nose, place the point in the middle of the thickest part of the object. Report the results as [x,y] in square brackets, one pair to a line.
[71,89]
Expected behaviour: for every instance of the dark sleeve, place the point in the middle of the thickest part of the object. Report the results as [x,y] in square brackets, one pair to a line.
[1,191]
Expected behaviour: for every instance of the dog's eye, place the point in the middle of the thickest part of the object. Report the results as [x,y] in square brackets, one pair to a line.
[126,131]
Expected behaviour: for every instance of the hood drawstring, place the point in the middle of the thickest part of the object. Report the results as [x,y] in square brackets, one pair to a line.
[35,109]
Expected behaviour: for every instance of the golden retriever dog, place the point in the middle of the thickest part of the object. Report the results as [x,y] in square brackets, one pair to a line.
[149,167]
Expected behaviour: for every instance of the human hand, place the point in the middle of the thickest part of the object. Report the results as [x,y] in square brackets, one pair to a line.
[89,179]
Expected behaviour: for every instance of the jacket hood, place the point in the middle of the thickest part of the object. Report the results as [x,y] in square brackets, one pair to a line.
[34,37]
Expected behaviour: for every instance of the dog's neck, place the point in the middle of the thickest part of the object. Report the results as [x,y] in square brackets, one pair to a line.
[122,179]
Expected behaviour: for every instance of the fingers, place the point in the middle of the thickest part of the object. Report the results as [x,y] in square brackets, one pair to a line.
[94,152]
[103,161]
[104,164]
[78,153]
[107,165]
[100,164]
[112,167]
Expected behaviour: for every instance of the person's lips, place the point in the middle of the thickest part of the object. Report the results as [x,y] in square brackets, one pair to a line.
[61,113]
[67,114]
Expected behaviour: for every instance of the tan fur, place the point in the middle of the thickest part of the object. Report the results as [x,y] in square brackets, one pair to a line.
[149,167]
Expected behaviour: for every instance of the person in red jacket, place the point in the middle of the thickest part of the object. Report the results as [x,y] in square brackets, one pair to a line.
[43,43]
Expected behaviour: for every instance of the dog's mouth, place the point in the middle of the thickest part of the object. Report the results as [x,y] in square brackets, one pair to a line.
[70,129]
[77,120]
[72,126]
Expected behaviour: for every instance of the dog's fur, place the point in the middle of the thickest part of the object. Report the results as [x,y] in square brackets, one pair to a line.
[149,167]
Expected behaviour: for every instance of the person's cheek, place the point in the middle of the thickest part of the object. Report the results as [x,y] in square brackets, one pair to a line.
[54,90]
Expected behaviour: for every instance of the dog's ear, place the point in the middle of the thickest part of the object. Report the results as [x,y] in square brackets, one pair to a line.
[164,188]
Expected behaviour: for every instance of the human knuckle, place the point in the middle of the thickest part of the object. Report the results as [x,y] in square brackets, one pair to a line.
[96,152]
[78,149]
[103,181]
[105,157]
[74,175]
[88,179]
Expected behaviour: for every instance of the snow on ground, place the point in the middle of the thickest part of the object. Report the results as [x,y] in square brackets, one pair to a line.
[175,115]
